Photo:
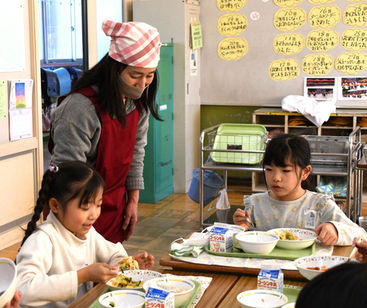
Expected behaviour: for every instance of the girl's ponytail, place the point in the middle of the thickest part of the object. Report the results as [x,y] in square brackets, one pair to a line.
[40,204]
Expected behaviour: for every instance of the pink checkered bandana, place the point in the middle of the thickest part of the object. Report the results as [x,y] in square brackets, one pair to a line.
[133,43]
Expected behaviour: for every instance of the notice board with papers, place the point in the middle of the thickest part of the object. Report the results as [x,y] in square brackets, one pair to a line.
[257,52]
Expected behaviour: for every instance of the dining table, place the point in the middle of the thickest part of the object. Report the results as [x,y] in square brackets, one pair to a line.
[227,282]
[218,289]
[246,283]
[177,264]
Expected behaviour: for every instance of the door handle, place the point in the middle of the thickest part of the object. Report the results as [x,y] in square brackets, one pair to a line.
[164,164]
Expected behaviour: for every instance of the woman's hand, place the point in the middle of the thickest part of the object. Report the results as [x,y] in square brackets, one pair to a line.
[239,218]
[361,254]
[130,213]
[97,272]
[327,234]
[145,260]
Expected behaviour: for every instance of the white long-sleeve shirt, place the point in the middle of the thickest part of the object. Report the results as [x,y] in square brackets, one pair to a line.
[307,212]
[49,259]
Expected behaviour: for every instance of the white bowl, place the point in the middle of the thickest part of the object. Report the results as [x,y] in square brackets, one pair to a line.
[305,238]
[173,282]
[8,280]
[261,298]
[257,241]
[136,275]
[317,261]
[123,299]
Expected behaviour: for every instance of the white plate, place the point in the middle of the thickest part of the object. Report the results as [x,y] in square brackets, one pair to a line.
[136,275]
[317,261]
[305,238]
[261,298]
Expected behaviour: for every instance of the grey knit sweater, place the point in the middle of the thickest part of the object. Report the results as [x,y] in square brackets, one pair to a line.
[76,130]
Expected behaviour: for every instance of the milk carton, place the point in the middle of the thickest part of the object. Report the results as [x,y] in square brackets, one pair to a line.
[221,239]
[159,298]
[270,278]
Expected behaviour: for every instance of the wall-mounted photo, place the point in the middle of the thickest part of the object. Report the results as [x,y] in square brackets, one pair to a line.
[352,88]
[321,89]
[321,94]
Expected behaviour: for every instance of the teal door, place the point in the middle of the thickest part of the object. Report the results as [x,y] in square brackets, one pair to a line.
[158,162]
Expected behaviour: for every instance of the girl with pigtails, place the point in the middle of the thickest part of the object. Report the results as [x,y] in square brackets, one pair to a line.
[62,257]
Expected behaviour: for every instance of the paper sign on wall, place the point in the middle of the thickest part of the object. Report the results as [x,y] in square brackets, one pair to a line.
[196,36]
[20,123]
[20,109]
[20,94]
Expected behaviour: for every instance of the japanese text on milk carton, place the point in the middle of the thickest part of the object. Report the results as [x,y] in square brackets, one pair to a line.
[221,239]
[158,298]
[270,278]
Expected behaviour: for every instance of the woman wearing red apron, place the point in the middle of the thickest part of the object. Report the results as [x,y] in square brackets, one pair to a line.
[104,121]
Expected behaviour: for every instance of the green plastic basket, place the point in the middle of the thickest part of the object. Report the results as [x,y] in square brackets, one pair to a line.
[234,136]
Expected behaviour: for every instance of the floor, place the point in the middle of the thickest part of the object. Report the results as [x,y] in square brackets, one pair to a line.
[159,224]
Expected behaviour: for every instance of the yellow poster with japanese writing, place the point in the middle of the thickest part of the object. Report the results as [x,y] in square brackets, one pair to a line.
[324,16]
[230,5]
[354,39]
[284,69]
[289,19]
[232,24]
[318,64]
[351,62]
[288,44]
[287,3]
[232,48]
[356,15]
[322,40]
[320,1]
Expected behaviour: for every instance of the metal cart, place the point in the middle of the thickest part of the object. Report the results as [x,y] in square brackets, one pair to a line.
[207,139]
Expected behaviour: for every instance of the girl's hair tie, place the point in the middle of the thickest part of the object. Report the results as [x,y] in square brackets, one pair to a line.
[53,168]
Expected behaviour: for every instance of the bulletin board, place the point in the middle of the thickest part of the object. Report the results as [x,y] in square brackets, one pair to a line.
[256,52]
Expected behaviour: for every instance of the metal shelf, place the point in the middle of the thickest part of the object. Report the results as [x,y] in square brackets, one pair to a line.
[354,149]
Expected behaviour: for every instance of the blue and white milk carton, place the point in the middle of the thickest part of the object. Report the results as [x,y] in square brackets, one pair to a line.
[159,298]
[221,239]
[270,278]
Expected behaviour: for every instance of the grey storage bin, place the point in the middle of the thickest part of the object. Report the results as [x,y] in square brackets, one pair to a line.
[328,144]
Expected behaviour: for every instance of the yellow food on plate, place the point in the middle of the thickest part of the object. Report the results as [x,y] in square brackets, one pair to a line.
[122,281]
[128,263]
[287,235]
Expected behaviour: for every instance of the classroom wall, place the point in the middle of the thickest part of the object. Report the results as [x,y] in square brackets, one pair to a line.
[245,79]
[21,161]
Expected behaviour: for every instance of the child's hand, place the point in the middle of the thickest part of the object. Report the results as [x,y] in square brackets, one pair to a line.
[97,272]
[15,300]
[327,234]
[239,218]
[145,260]
[361,254]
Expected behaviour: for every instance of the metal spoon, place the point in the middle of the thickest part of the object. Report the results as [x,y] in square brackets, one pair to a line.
[351,256]
[250,222]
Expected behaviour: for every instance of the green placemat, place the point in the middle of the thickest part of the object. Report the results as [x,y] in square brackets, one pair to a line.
[96,303]
[291,292]
[277,253]
[187,304]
